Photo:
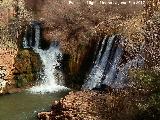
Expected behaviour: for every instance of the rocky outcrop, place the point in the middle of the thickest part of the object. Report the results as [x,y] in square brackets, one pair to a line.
[17,69]
[7,56]
[27,65]
[111,105]
[11,22]
[89,105]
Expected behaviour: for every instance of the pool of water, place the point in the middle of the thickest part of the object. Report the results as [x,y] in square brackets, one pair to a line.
[25,106]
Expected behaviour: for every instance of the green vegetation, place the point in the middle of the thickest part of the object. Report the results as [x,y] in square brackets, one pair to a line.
[147,85]
[27,65]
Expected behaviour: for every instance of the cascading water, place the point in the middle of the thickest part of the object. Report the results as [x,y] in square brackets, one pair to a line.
[106,70]
[49,74]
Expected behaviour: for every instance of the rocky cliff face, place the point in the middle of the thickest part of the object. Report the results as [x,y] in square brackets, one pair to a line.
[17,69]
[7,56]
[12,18]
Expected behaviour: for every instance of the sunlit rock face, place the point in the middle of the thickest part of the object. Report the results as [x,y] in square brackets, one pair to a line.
[4,84]
[7,56]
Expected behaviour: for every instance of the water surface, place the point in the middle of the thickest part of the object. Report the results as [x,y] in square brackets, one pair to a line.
[25,106]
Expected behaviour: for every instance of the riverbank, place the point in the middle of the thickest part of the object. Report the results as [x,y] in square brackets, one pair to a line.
[126,104]
[89,105]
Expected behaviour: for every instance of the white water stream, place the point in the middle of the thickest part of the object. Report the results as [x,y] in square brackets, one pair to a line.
[50,76]
[106,69]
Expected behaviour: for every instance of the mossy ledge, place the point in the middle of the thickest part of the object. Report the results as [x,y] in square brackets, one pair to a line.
[27,65]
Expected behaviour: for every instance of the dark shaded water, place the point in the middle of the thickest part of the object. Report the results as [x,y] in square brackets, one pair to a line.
[24,106]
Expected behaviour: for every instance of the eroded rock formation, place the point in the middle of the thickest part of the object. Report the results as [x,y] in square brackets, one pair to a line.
[6,69]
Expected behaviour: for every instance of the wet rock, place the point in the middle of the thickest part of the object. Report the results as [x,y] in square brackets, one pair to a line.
[27,65]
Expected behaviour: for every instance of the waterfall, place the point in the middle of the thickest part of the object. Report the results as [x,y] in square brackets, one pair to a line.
[96,73]
[106,69]
[50,76]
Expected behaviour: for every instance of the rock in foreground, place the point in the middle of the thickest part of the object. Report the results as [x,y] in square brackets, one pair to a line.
[94,105]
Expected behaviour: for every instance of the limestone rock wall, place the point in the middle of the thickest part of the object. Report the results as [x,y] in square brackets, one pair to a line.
[13,16]
[7,56]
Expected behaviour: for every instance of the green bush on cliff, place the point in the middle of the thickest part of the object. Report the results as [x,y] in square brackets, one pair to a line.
[147,83]
[145,79]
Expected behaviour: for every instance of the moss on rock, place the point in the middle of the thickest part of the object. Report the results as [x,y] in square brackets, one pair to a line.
[27,65]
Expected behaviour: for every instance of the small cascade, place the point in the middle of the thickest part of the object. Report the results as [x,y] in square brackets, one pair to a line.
[51,77]
[106,70]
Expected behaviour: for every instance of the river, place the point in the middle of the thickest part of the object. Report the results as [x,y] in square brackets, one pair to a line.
[25,106]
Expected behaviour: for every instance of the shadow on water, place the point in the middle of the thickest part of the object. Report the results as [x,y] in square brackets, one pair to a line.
[25,106]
